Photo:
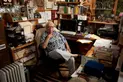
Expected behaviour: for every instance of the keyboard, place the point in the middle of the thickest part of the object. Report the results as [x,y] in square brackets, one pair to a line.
[68,32]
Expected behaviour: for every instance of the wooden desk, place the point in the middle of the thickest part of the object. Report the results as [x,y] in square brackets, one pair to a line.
[76,37]
[88,54]
[77,47]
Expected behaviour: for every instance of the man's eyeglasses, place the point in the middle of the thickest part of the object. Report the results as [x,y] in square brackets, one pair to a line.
[51,26]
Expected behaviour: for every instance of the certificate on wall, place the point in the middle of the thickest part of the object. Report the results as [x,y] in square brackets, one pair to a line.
[48,15]
[49,5]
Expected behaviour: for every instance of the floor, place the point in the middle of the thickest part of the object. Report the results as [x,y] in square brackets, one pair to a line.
[43,73]
[46,74]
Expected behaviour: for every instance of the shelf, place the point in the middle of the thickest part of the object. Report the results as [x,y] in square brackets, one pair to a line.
[26,20]
[99,22]
[65,14]
[23,46]
[27,58]
[28,54]
[103,9]
[24,51]
[67,3]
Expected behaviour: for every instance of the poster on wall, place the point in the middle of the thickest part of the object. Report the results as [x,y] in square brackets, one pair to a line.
[54,14]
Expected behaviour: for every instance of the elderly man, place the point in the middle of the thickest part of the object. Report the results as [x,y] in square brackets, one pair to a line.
[56,46]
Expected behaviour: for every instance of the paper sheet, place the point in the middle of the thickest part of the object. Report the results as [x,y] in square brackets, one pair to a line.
[84,41]
[48,15]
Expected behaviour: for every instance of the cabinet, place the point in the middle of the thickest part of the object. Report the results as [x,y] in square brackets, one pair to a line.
[4,51]
[25,53]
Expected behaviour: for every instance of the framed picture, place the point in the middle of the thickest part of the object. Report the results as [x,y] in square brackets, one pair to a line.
[24,18]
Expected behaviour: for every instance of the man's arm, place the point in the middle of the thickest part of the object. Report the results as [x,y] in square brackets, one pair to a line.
[45,43]
[67,46]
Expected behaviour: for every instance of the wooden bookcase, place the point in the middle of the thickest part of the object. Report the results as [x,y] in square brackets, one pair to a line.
[25,53]
[5,58]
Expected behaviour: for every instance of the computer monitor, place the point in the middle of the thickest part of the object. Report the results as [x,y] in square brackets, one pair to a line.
[68,25]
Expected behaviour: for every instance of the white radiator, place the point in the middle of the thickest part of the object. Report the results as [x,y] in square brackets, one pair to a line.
[13,73]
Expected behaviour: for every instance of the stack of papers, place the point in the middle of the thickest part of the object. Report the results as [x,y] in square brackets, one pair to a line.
[103,43]
[93,36]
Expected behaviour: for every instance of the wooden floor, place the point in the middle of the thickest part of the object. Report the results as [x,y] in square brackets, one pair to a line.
[46,74]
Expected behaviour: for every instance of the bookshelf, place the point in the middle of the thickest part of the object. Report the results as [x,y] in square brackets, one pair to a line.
[67,9]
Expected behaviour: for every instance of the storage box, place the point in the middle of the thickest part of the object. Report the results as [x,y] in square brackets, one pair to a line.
[94,68]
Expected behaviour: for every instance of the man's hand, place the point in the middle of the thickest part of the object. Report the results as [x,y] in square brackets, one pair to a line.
[44,45]
[68,49]
[50,35]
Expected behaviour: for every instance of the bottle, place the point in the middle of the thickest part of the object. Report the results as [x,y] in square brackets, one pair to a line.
[78,29]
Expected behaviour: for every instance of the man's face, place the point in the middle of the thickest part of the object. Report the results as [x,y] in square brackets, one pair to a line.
[50,28]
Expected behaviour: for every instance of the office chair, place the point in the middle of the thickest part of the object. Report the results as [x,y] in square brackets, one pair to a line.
[55,65]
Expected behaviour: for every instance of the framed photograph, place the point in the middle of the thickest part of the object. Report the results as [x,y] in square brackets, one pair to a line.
[24,18]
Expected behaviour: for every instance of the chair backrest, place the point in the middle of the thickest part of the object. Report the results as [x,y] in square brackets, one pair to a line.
[38,32]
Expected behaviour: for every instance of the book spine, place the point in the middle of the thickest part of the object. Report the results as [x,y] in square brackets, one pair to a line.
[65,9]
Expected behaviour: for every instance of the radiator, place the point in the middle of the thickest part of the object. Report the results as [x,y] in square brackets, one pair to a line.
[13,73]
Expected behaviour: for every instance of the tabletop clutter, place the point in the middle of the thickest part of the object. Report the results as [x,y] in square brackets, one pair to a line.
[91,68]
